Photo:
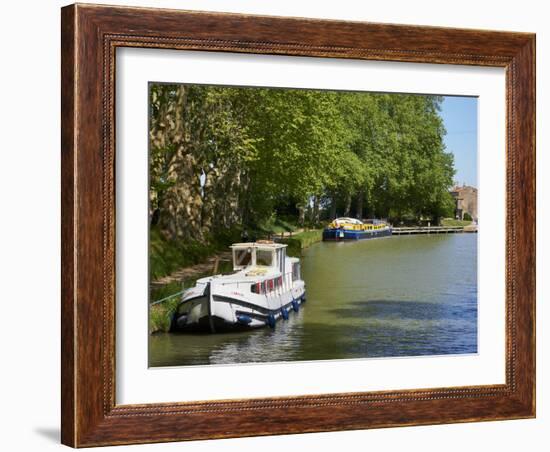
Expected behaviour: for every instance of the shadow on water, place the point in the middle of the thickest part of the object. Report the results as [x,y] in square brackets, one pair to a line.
[389,328]
[404,310]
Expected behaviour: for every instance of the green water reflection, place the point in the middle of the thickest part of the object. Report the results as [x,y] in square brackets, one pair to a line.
[396,296]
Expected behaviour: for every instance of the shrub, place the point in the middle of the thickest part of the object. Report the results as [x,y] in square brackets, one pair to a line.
[166,256]
[302,240]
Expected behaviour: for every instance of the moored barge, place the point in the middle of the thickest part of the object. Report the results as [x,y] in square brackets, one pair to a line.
[353,229]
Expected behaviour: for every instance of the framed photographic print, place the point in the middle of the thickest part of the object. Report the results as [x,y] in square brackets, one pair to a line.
[281,225]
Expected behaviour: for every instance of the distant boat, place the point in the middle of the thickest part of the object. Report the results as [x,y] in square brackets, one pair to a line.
[353,229]
[265,287]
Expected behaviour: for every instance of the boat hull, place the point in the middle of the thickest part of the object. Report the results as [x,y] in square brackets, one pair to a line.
[220,311]
[347,234]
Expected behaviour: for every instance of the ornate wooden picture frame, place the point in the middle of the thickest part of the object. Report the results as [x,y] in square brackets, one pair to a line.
[90,37]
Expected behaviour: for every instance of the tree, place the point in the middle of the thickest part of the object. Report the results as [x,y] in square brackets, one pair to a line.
[224,157]
[199,150]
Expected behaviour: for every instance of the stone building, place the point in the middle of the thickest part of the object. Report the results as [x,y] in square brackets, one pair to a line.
[466,201]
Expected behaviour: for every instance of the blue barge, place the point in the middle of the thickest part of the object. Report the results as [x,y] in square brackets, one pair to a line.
[353,229]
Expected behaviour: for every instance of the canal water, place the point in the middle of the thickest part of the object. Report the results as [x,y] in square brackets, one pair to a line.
[395,296]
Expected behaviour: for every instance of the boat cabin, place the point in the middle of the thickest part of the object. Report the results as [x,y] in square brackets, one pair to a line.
[259,254]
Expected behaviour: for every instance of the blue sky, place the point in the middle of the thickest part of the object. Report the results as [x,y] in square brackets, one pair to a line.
[460,118]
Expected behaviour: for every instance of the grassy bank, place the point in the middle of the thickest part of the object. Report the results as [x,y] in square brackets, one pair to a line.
[166,256]
[302,240]
[160,314]
[450,222]
[275,226]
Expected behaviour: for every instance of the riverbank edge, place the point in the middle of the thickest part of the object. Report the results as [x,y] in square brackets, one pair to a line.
[298,242]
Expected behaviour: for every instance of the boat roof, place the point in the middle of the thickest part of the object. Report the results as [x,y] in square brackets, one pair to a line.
[347,220]
[259,244]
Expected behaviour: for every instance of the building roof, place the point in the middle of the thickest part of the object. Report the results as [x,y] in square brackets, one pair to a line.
[459,188]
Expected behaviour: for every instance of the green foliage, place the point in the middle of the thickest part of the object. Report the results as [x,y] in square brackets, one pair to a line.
[167,255]
[467,217]
[160,315]
[451,222]
[166,290]
[276,225]
[302,240]
[226,159]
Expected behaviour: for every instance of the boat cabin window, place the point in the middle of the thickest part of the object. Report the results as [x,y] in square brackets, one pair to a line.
[242,257]
[295,271]
[281,253]
[264,257]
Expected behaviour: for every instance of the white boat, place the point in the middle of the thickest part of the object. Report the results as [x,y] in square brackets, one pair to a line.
[265,287]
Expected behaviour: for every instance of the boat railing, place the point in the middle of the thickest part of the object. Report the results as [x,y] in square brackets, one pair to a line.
[169,297]
[287,284]
[229,283]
